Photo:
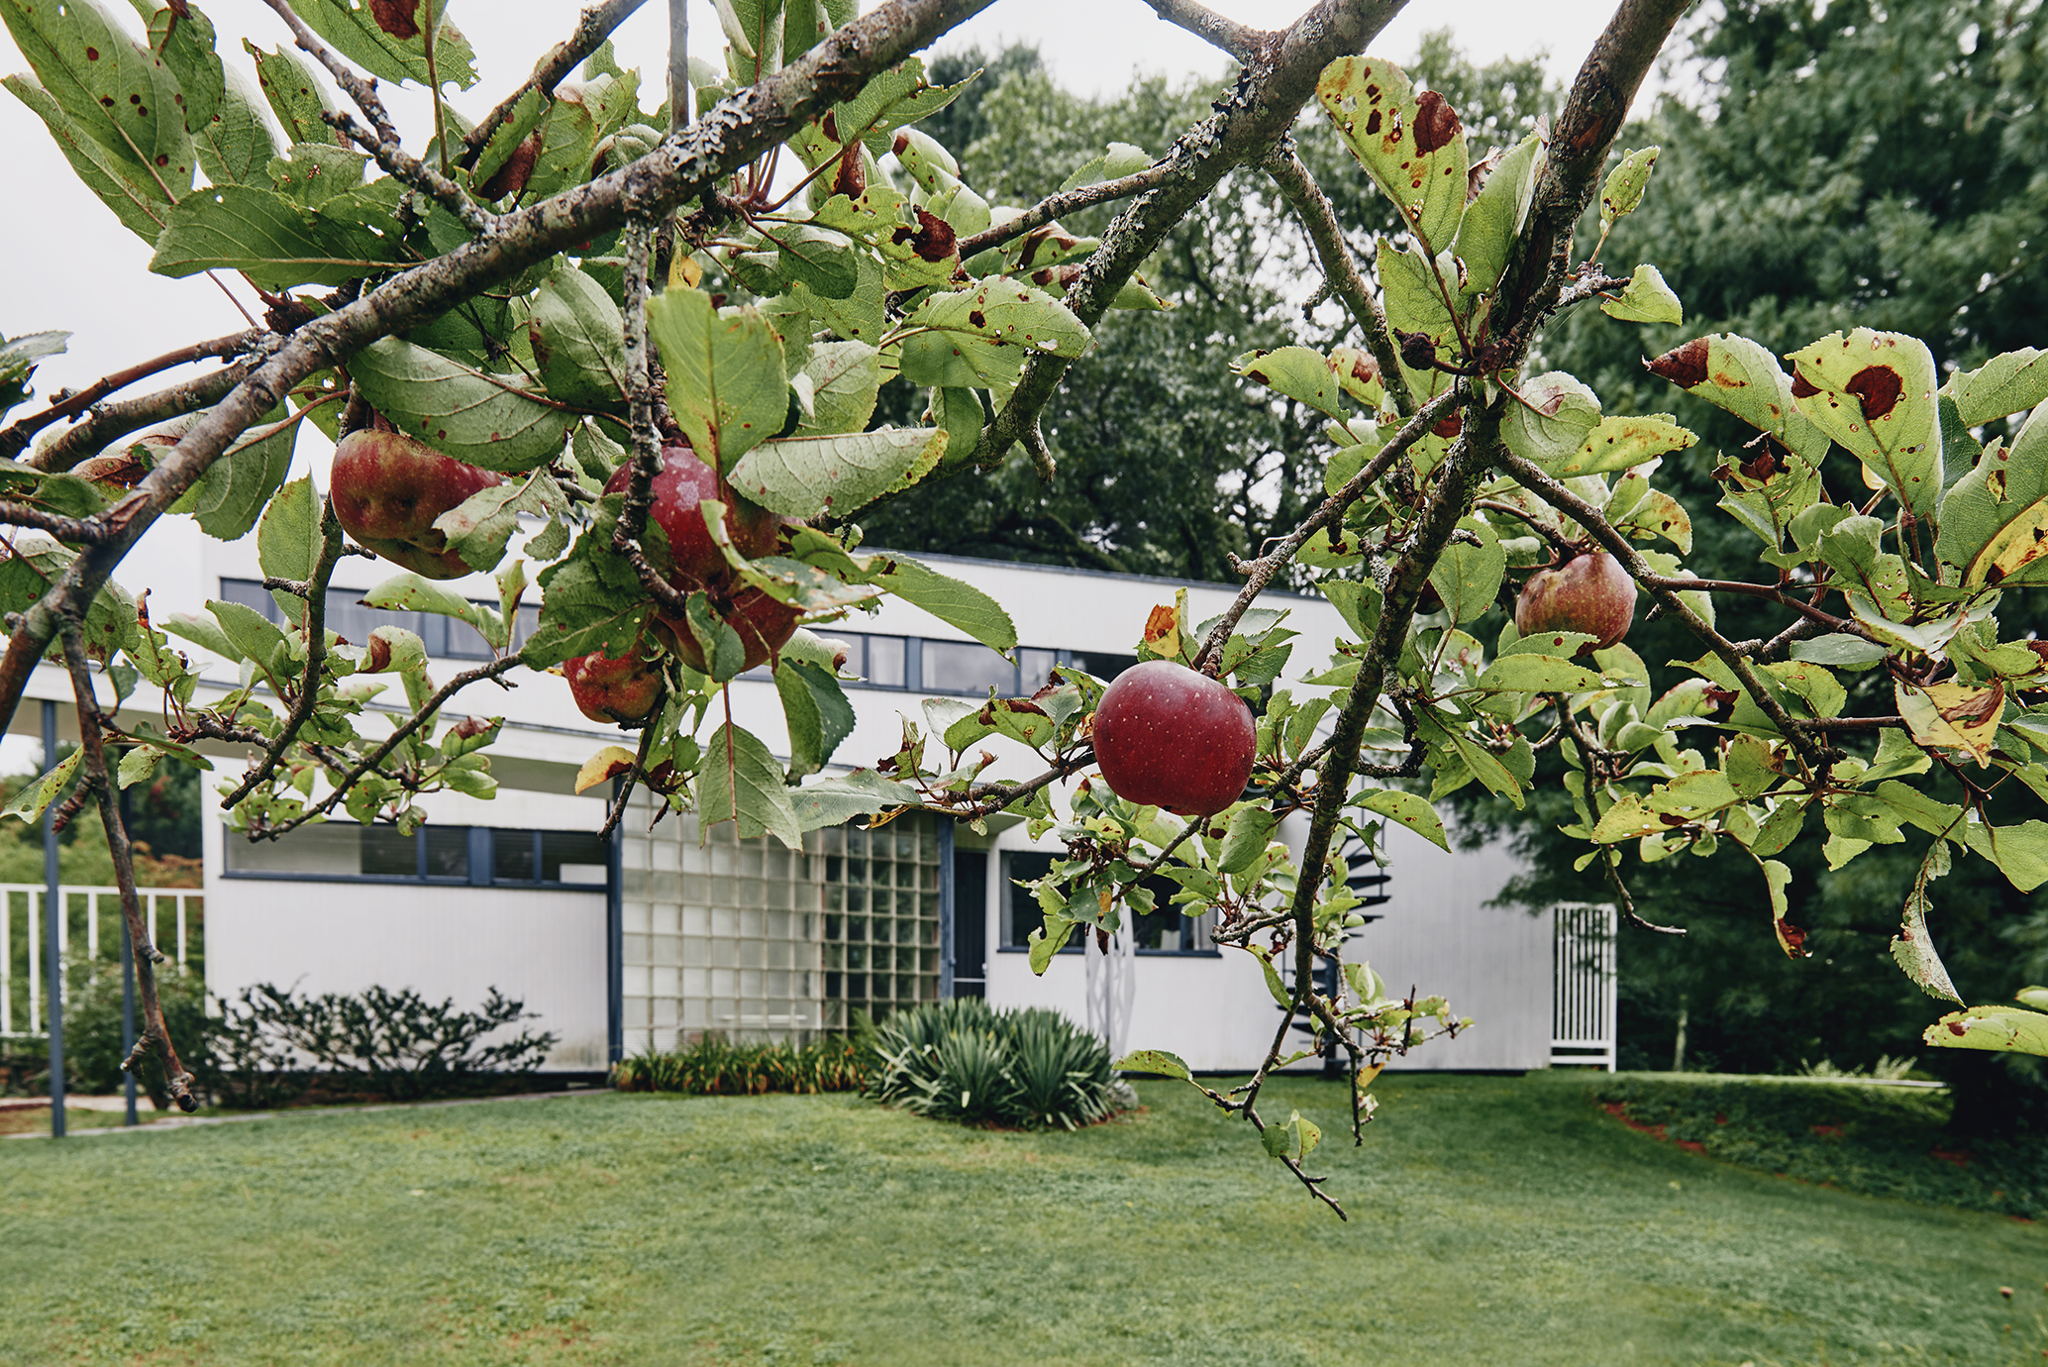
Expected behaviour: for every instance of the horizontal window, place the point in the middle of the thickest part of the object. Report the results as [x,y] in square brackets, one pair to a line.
[923,665]
[347,617]
[472,856]
[1164,931]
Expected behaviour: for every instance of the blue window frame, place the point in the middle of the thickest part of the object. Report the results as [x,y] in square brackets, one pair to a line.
[448,856]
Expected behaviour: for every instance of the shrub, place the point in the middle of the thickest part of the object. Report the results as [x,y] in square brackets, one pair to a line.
[92,1029]
[715,1066]
[395,1045]
[963,1060]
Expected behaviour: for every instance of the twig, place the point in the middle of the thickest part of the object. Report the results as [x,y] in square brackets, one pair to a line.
[592,30]
[1340,271]
[635,245]
[77,529]
[408,169]
[1260,572]
[177,1080]
[1557,539]
[1768,592]
[397,738]
[678,65]
[106,423]
[1066,202]
[362,89]
[314,591]
[1239,40]
[14,438]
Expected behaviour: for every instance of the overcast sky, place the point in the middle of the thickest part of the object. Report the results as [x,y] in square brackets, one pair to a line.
[69,265]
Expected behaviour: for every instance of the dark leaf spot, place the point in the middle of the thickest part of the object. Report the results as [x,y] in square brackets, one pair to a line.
[92,54]
[397,17]
[1436,123]
[1372,123]
[1801,389]
[977,318]
[1878,387]
[1684,366]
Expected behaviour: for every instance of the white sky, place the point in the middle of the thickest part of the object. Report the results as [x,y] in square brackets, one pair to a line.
[69,265]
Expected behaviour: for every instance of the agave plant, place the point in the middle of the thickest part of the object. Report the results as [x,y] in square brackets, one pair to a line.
[965,1061]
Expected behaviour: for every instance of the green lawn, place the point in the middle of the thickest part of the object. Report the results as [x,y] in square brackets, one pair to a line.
[1495,1222]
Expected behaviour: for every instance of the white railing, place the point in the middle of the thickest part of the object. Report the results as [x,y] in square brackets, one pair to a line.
[1583,992]
[174,917]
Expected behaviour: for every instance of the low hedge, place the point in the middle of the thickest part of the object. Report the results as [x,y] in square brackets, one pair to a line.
[715,1066]
[1878,1140]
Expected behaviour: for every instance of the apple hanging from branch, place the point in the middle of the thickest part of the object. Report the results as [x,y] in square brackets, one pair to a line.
[1169,737]
[1589,593]
[389,488]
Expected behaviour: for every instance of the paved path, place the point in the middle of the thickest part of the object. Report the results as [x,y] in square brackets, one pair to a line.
[179,1122]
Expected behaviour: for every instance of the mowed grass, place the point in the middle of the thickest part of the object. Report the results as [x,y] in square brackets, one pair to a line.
[1495,1222]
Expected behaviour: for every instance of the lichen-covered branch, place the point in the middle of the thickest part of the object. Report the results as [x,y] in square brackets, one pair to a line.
[15,437]
[99,776]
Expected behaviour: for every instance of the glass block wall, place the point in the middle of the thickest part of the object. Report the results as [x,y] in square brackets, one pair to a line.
[881,932]
[754,941]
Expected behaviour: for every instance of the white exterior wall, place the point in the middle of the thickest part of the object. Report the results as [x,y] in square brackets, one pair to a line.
[547,947]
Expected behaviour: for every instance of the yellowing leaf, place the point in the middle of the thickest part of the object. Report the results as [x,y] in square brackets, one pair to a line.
[1411,145]
[2008,1029]
[1873,392]
[602,767]
[1619,443]
[1952,716]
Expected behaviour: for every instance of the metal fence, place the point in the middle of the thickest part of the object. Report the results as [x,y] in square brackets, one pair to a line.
[1582,999]
[92,916]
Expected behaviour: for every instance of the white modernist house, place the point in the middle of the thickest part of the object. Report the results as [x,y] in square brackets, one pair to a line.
[667,932]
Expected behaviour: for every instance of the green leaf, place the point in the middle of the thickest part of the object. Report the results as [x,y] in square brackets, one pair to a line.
[1300,373]
[816,709]
[295,94]
[114,92]
[725,376]
[1912,948]
[955,603]
[1274,985]
[1155,1061]
[1555,424]
[1411,145]
[288,538]
[1410,809]
[1873,393]
[18,359]
[579,340]
[408,592]
[2019,851]
[388,39]
[131,191]
[833,801]
[1646,299]
[808,476]
[1625,185]
[1245,837]
[1735,374]
[229,497]
[822,258]
[2006,1029]
[1537,674]
[1468,578]
[742,783]
[1840,651]
[1494,219]
[981,337]
[1994,521]
[484,420]
[235,145]
[267,236]
[32,798]
[1623,443]
[2006,384]
[844,380]
[479,527]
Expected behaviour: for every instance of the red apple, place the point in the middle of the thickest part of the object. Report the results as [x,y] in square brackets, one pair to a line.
[1589,593]
[623,689]
[764,625]
[388,489]
[683,484]
[1169,737]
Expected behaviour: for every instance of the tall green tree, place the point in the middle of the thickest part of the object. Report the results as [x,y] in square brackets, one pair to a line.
[1842,164]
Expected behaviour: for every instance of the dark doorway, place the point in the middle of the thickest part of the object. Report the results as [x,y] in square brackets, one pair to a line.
[970,923]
